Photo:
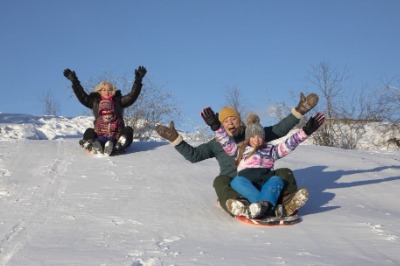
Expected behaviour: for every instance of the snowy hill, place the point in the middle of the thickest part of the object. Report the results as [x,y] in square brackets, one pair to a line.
[62,206]
[21,126]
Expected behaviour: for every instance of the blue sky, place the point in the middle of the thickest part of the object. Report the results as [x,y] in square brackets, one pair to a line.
[193,49]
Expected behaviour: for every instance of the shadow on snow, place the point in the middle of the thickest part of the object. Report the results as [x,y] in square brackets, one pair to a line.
[317,181]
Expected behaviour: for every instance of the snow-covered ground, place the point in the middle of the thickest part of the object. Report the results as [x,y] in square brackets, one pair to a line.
[62,206]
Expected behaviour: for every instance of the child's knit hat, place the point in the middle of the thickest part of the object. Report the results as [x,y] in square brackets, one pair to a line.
[253,127]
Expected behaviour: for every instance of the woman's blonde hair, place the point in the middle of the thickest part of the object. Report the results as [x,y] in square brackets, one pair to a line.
[102,84]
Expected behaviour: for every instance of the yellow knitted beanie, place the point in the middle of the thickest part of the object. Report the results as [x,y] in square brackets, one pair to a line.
[226,112]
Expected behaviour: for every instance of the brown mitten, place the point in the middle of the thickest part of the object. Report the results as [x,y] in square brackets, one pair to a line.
[307,103]
[168,133]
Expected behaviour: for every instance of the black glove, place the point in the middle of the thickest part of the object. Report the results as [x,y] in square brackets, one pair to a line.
[314,123]
[307,103]
[140,73]
[70,75]
[211,118]
[168,133]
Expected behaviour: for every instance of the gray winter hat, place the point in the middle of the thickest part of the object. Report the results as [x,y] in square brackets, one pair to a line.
[253,127]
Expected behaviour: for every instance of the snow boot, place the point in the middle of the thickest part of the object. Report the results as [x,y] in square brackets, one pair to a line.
[82,141]
[292,202]
[86,144]
[238,207]
[97,148]
[108,148]
[120,143]
[259,209]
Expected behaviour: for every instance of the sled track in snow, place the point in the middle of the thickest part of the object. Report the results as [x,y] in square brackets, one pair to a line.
[44,191]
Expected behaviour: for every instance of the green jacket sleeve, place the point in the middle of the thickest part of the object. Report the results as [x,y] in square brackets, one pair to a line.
[282,128]
[195,154]
[211,149]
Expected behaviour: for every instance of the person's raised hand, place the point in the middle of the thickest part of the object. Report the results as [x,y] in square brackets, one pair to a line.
[69,74]
[168,133]
[211,118]
[140,72]
[306,103]
[314,123]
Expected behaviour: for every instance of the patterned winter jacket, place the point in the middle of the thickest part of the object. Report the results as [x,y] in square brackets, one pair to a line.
[262,158]
[109,129]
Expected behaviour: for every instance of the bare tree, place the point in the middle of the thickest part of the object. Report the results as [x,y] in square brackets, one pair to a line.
[384,105]
[389,101]
[329,82]
[152,107]
[348,121]
[340,130]
[50,105]
[235,99]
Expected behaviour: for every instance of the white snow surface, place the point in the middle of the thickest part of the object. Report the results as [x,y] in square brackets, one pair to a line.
[149,206]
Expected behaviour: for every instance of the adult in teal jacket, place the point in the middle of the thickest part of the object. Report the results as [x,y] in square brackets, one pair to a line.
[213,149]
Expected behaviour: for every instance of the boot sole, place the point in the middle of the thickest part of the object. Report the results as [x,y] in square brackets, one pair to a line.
[297,201]
[96,148]
[236,207]
[108,149]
